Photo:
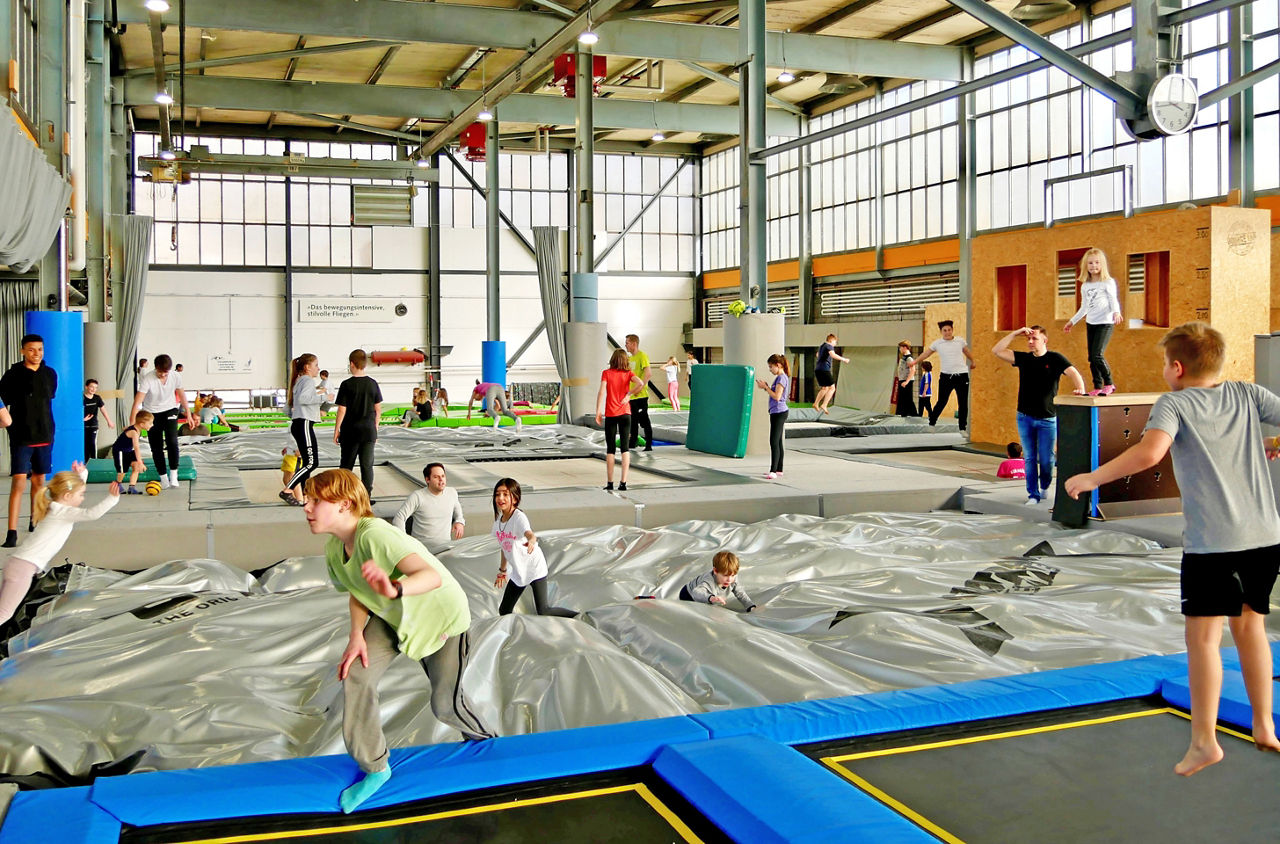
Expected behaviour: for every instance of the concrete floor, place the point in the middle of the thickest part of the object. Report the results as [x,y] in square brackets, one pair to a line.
[824,477]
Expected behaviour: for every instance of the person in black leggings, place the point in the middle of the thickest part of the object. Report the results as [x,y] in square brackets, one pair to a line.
[160,393]
[613,410]
[304,409]
[778,410]
[359,409]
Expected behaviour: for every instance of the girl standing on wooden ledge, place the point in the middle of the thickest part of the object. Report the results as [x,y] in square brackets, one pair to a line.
[1100,309]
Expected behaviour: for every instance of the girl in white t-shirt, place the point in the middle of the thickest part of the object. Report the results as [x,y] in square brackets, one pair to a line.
[672,368]
[1100,310]
[521,562]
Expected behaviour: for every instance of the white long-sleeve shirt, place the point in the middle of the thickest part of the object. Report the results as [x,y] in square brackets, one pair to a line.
[1098,302]
[52,532]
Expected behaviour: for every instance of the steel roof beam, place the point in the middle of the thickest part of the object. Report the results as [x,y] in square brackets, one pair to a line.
[479,26]
[271,95]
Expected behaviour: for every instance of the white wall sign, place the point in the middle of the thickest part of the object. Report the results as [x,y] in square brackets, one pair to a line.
[229,364]
[346,310]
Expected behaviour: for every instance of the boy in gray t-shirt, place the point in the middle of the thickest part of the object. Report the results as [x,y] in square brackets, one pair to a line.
[1232,538]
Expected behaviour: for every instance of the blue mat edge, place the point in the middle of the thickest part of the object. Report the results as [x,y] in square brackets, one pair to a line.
[443,769]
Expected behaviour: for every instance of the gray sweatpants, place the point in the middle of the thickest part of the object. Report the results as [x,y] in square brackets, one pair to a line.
[497,404]
[362,715]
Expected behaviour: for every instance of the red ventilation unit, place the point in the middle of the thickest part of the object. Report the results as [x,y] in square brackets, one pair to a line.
[565,73]
[472,141]
[410,356]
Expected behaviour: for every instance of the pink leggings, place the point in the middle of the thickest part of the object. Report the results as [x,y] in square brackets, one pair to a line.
[18,575]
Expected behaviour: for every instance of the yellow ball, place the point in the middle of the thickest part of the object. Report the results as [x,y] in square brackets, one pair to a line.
[153,487]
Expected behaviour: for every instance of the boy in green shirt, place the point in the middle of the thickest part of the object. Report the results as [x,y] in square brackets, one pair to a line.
[402,600]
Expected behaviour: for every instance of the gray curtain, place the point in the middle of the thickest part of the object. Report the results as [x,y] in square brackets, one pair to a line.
[34,197]
[546,244]
[128,288]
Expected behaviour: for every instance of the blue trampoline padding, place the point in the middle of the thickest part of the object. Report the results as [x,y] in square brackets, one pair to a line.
[1233,706]
[312,785]
[63,815]
[788,798]
[883,712]
[721,418]
[102,470]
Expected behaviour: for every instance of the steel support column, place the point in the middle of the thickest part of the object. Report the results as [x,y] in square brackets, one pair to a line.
[288,270]
[751,105]
[51,121]
[584,157]
[433,269]
[1240,111]
[966,207]
[493,328]
[96,180]
[804,233]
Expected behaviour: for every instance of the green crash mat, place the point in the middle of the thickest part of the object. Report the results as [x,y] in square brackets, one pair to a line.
[720,421]
[103,471]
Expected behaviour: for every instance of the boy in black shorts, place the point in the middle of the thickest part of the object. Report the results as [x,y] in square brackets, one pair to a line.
[124,451]
[1232,538]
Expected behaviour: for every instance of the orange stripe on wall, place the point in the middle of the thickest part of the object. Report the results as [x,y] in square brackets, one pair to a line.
[849,262]
[775,273]
[1272,204]
[922,254]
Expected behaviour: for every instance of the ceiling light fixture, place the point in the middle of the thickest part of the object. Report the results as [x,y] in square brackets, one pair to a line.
[588,36]
[659,135]
[786,76]
[423,163]
[168,154]
[164,98]
[157,5]
[485,115]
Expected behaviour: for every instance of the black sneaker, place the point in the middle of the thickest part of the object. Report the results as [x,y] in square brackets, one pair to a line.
[608,487]
[31,526]
[622,487]
[10,540]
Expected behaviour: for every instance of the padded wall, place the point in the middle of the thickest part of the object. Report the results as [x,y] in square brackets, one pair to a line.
[720,420]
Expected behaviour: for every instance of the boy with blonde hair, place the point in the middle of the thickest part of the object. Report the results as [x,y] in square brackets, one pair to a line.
[712,587]
[1232,537]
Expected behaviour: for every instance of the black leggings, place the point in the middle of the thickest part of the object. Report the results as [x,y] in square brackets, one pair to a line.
[640,412]
[539,587]
[163,439]
[1099,336]
[777,424]
[304,434]
[616,428]
[353,445]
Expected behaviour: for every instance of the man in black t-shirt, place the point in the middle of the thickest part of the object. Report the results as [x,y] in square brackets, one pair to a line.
[1038,373]
[28,388]
[93,405]
[359,406]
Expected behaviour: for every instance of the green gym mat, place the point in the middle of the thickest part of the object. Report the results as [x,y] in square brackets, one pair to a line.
[720,426]
[103,471]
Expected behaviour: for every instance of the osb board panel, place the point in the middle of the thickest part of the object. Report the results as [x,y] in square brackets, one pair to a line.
[1193,294]
[1240,269]
[933,314]
[1275,281]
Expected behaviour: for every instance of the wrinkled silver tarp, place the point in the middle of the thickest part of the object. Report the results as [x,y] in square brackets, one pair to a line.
[195,663]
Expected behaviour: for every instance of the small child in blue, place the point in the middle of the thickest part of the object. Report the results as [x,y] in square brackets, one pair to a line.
[712,587]
[124,451]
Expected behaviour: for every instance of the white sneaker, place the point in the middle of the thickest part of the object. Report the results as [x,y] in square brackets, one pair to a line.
[174,485]
[496,421]
[1031,502]
[164,482]
[519,424]
[768,476]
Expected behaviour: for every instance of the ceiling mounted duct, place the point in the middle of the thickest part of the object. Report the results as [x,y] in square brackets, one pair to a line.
[1040,10]
[842,83]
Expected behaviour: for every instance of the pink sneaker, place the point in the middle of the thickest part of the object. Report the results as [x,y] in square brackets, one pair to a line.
[768,476]
[1097,392]
[1109,389]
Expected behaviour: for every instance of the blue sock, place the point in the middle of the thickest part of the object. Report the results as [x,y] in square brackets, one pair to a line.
[353,795]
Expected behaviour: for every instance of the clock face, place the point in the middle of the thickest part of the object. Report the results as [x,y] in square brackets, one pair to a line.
[1173,103]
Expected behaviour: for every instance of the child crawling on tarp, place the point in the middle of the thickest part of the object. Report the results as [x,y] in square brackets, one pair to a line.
[714,586]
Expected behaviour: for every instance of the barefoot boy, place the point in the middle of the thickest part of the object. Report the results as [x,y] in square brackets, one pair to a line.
[1230,544]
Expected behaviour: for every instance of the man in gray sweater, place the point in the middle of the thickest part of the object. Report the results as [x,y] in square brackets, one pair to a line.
[435,510]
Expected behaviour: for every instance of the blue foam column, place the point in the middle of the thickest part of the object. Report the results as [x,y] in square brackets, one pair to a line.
[493,361]
[586,297]
[63,333]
